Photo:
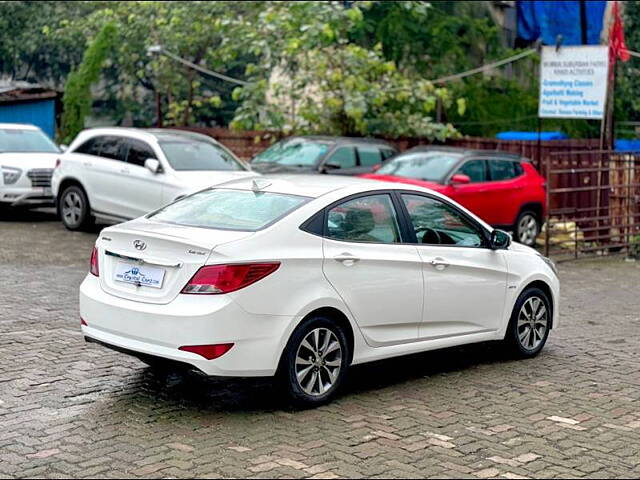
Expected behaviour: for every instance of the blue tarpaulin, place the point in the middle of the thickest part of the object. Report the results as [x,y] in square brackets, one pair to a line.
[531,136]
[627,145]
[547,19]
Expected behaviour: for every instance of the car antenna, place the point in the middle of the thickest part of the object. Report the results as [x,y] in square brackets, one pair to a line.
[258,185]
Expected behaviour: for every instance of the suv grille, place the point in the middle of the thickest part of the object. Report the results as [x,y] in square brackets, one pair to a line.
[40,177]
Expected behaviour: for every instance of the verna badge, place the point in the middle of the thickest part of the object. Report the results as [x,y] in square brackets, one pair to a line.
[139,245]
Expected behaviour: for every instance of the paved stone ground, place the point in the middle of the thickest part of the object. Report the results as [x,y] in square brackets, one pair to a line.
[68,409]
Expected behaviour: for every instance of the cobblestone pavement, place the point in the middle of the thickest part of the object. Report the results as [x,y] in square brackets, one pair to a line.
[69,409]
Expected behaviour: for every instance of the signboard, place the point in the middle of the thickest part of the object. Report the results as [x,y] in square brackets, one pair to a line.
[573,82]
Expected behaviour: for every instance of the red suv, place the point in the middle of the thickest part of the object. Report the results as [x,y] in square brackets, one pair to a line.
[503,189]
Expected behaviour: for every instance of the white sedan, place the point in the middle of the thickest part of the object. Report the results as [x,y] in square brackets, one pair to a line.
[302,276]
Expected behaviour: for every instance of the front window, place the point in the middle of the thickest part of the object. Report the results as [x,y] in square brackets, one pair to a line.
[185,155]
[228,209]
[428,166]
[436,223]
[295,152]
[16,140]
[369,219]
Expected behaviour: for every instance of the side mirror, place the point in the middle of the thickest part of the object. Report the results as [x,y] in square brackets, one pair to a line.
[327,166]
[153,165]
[460,179]
[500,240]
[64,148]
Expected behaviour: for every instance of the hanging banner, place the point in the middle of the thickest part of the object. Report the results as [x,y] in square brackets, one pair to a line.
[573,82]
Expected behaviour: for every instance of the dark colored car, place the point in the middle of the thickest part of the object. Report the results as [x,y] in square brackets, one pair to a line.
[320,154]
[504,189]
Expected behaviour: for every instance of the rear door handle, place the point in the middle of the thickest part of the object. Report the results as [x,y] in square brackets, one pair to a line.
[346,258]
[124,170]
[439,263]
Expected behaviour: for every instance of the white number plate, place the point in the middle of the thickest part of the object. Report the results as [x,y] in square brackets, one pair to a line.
[139,275]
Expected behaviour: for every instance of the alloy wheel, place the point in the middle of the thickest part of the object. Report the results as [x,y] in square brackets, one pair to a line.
[527,229]
[72,208]
[318,362]
[533,321]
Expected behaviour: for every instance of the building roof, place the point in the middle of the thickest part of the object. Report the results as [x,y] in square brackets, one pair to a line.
[19,91]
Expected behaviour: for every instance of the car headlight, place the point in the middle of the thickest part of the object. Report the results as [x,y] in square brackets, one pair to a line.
[10,175]
[551,264]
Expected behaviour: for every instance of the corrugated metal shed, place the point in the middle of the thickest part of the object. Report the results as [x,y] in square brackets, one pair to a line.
[23,102]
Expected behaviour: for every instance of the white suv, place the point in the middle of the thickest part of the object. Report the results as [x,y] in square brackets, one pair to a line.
[27,158]
[116,174]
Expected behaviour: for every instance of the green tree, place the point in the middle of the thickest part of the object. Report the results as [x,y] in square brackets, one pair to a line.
[77,94]
[311,77]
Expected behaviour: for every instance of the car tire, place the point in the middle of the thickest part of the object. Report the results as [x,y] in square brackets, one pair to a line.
[74,209]
[532,315]
[314,363]
[527,228]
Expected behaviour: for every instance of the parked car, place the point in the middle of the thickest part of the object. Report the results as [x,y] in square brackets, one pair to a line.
[503,189]
[116,174]
[303,276]
[27,159]
[320,154]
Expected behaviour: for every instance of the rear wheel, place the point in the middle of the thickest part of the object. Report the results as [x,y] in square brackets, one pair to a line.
[315,362]
[74,209]
[527,228]
[530,323]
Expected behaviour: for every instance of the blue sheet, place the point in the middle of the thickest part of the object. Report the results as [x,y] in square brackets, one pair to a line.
[546,19]
[544,136]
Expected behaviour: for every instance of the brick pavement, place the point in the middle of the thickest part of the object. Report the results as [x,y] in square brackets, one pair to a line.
[68,409]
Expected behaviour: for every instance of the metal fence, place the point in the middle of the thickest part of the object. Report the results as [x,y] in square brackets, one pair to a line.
[593,204]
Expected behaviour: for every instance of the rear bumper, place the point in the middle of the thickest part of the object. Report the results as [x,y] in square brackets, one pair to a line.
[26,196]
[160,330]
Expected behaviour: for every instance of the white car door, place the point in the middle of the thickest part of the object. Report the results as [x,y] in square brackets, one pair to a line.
[378,277]
[465,281]
[101,162]
[141,189]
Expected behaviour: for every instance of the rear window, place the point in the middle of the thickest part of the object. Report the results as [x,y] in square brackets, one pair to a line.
[228,209]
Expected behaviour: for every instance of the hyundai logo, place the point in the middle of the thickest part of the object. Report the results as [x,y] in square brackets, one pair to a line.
[139,245]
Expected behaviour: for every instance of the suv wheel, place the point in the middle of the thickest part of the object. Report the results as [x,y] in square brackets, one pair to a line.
[74,209]
[527,228]
[530,322]
[315,362]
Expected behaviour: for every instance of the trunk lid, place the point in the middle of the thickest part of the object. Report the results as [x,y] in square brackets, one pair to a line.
[151,262]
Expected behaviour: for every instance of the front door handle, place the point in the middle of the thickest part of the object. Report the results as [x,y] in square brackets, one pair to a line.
[346,258]
[439,263]
[124,170]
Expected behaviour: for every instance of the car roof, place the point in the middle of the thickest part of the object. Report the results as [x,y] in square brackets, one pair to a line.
[156,133]
[341,140]
[313,186]
[465,152]
[18,126]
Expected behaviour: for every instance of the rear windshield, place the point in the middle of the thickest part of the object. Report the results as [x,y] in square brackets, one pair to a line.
[198,155]
[16,140]
[429,166]
[228,209]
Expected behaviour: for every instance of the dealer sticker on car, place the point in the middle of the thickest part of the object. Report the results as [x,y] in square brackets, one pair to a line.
[140,275]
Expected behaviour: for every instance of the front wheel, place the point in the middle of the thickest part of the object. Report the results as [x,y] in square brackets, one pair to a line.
[315,362]
[530,323]
[74,209]
[527,228]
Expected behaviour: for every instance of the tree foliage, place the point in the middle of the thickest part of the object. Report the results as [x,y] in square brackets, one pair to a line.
[311,77]
[77,94]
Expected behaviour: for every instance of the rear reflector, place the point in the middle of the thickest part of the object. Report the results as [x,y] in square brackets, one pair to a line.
[94,263]
[208,351]
[216,279]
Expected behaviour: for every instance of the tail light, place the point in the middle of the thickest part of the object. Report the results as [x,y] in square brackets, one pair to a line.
[208,351]
[215,279]
[94,263]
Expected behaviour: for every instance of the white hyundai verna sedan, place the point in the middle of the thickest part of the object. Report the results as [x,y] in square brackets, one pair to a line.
[303,276]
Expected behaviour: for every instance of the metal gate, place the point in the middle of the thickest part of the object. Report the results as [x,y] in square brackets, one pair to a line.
[593,204]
